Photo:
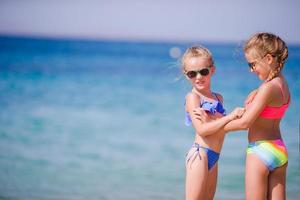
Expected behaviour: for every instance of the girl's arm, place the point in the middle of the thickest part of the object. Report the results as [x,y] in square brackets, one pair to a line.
[215,126]
[204,128]
[260,100]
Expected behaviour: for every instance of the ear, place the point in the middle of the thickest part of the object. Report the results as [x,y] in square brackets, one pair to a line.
[213,70]
[270,59]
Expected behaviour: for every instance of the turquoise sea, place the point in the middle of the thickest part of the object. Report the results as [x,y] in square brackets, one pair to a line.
[104,120]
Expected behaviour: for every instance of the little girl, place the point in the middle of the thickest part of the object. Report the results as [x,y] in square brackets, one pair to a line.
[201,160]
[267,157]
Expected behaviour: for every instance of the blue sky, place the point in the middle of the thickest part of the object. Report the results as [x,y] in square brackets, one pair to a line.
[160,20]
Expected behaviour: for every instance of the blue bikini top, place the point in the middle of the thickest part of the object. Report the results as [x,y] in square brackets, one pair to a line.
[211,107]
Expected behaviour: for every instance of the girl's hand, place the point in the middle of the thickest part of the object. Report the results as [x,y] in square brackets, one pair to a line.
[237,113]
[201,114]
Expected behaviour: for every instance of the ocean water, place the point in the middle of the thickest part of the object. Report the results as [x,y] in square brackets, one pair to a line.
[105,120]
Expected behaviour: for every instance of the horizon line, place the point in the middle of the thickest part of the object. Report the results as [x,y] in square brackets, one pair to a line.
[126,39]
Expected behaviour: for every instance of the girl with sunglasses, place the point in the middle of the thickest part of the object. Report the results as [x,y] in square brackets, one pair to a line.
[267,156]
[201,160]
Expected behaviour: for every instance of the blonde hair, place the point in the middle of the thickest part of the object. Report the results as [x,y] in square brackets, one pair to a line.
[196,51]
[268,43]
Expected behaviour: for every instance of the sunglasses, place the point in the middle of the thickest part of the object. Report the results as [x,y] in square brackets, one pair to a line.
[193,73]
[251,65]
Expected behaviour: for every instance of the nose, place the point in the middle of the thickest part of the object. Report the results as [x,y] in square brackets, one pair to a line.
[198,76]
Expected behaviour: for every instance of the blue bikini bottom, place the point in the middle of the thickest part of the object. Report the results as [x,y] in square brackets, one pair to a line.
[194,152]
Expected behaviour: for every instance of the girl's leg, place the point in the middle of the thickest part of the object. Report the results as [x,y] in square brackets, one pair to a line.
[256,178]
[196,177]
[212,182]
[277,180]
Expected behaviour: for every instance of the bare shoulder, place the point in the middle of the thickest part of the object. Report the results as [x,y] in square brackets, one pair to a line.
[267,92]
[268,86]
[279,89]
[271,87]
[192,101]
[191,96]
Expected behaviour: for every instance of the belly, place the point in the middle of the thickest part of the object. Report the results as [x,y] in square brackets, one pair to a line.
[214,141]
[264,129]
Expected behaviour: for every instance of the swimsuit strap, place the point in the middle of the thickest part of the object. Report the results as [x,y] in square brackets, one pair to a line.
[197,151]
[281,90]
[217,97]
[282,94]
[202,100]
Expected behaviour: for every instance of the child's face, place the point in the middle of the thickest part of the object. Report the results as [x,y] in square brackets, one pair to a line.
[196,69]
[260,66]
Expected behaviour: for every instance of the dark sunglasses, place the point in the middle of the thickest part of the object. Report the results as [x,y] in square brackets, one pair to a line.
[251,65]
[193,74]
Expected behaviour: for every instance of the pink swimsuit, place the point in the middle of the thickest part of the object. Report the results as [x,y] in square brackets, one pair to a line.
[272,112]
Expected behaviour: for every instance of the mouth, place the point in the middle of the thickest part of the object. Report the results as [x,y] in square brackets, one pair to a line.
[199,82]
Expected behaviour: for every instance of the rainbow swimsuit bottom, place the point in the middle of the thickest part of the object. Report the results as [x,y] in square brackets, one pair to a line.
[272,152]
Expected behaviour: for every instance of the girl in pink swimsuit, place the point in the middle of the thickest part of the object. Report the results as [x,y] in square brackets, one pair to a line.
[267,156]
